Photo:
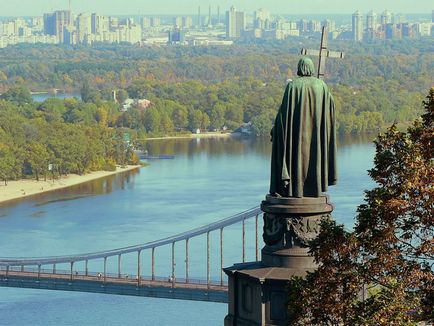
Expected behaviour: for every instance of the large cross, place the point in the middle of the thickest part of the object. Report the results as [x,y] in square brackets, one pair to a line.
[323,53]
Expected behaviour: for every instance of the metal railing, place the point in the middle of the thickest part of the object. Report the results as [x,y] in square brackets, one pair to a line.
[21,264]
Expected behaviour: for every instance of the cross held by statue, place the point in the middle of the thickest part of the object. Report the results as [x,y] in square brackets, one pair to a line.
[323,53]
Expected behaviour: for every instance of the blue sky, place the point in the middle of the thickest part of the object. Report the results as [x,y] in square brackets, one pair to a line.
[143,7]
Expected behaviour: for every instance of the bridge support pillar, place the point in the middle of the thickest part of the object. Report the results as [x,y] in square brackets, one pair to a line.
[258,291]
[153,264]
[105,270]
[173,277]
[139,274]
[187,264]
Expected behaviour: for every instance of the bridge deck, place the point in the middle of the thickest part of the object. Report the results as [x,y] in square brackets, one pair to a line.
[115,285]
[21,272]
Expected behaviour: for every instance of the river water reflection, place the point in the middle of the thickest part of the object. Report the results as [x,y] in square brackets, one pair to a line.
[207,180]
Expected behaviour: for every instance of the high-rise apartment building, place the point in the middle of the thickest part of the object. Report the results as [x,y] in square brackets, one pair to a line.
[94,21]
[261,18]
[386,17]
[55,23]
[84,28]
[371,20]
[329,24]
[70,35]
[314,26]
[371,25]
[7,28]
[37,24]
[155,21]
[424,29]
[357,24]
[262,14]
[99,24]
[177,21]
[187,22]
[49,24]
[392,31]
[146,22]
[113,23]
[398,19]
[303,25]
[235,23]
[176,36]
[19,24]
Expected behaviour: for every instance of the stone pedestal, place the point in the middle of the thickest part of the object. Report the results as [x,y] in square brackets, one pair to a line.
[258,291]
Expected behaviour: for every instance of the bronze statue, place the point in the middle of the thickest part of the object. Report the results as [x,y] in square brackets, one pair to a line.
[303,161]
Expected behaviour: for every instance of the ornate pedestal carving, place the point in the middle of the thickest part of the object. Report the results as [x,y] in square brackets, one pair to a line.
[289,224]
[257,291]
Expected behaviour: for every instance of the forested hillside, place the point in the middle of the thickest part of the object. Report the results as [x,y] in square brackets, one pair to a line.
[215,87]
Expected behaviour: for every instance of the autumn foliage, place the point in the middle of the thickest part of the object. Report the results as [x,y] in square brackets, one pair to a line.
[381,273]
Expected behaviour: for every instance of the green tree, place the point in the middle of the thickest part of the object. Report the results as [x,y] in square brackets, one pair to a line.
[166,124]
[89,94]
[262,124]
[7,164]
[19,95]
[391,250]
[38,158]
[152,120]
[180,118]
[204,124]
[233,115]
[195,120]
[217,117]
[53,109]
[121,95]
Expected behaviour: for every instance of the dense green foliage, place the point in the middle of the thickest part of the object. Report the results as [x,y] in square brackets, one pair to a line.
[390,253]
[207,88]
[61,136]
[212,87]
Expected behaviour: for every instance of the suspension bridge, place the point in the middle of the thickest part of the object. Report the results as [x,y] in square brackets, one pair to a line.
[41,273]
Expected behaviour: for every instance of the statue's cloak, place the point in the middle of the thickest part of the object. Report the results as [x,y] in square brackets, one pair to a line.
[303,162]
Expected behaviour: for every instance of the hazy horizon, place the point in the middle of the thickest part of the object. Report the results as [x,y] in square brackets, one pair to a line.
[172,7]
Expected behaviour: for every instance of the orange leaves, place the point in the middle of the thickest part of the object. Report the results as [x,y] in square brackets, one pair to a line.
[392,246]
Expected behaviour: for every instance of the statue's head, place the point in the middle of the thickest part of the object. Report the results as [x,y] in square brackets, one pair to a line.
[305,67]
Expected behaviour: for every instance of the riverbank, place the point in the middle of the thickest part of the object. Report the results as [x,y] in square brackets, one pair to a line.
[24,188]
[202,135]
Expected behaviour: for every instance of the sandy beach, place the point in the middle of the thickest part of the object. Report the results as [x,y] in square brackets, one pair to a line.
[24,188]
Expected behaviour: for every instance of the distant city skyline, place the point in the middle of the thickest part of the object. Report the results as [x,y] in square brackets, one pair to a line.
[168,7]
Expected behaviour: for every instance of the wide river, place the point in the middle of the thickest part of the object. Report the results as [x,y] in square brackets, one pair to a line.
[208,179]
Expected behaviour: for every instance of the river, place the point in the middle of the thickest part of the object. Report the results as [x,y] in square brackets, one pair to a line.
[41,97]
[208,179]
